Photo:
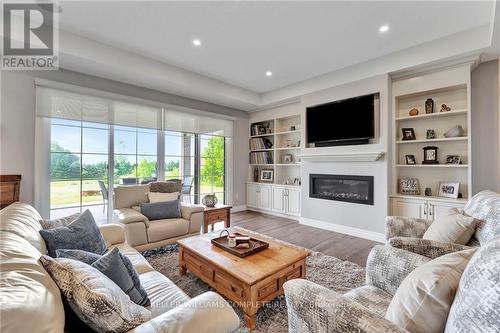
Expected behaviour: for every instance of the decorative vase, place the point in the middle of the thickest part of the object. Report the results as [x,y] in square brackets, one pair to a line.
[413,112]
[428,192]
[209,200]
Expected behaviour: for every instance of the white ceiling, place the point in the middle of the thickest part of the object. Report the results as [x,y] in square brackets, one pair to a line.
[296,40]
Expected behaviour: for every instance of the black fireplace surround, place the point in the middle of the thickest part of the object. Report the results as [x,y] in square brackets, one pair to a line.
[356,189]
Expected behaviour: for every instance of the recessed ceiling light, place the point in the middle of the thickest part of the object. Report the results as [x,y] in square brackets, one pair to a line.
[383,28]
[269,73]
[196,42]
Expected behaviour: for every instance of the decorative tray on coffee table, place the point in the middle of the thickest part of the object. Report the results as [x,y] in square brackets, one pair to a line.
[255,245]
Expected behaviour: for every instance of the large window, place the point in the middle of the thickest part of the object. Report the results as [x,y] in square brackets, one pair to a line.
[135,155]
[98,143]
[78,161]
[212,165]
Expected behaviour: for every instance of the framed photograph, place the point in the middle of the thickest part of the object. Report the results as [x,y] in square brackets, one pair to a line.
[408,134]
[409,186]
[430,155]
[431,134]
[287,158]
[410,159]
[449,189]
[453,159]
[266,176]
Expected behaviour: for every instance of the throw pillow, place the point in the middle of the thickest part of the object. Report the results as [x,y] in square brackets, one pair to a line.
[453,228]
[160,197]
[115,266]
[423,300]
[94,298]
[84,256]
[60,222]
[168,186]
[81,234]
[161,210]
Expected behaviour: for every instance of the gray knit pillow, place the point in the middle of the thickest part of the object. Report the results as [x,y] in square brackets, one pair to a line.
[81,234]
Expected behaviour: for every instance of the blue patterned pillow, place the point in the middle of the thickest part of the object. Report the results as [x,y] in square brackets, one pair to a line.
[81,234]
[116,267]
[161,210]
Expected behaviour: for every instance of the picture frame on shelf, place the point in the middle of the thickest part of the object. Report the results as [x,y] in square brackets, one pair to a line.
[409,186]
[408,134]
[449,189]
[430,155]
[266,176]
[431,134]
[453,159]
[410,160]
[287,158]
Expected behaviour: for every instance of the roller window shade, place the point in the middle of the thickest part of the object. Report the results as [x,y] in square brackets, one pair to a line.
[65,104]
[181,121]
[55,103]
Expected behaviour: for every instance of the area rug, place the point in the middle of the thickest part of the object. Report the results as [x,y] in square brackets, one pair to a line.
[330,272]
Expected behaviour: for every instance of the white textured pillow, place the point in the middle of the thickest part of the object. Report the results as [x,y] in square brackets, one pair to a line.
[94,298]
[161,197]
[453,228]
[423,300]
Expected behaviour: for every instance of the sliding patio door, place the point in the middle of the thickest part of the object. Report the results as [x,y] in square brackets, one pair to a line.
[90,144]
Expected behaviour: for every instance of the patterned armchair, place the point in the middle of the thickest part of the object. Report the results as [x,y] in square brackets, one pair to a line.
[313,308]
[406,232]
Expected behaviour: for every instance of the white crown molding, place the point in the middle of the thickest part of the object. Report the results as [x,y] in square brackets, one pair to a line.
[343,229]
[343,157]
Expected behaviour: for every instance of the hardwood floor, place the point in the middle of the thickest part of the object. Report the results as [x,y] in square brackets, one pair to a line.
[328,242]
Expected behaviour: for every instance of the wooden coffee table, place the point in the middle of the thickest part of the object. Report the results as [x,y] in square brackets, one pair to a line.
[251,281]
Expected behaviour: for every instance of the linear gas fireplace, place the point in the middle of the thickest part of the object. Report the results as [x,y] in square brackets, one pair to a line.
[357,189]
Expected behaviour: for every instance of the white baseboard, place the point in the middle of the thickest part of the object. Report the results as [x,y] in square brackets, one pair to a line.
[270,212]
[238,208]
[351,231]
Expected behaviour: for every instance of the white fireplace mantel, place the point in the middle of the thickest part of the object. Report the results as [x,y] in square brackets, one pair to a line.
[369,156]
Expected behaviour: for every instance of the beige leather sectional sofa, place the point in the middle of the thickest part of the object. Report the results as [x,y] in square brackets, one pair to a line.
[144,234]
[31,301]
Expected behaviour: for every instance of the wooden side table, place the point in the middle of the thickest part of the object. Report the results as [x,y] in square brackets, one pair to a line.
[216,214]
[9,189]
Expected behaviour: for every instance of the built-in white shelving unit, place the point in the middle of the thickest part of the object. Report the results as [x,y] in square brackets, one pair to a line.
[282,195]
[450,87]
[284,141]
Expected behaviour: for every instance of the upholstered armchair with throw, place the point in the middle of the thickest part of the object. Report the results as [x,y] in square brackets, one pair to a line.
[410,233]
[406,292]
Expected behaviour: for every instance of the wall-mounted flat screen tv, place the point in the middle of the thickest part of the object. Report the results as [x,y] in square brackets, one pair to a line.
[349,121]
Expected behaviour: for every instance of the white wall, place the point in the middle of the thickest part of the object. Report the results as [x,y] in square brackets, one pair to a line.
[366,217]
[485,127]
[17,123]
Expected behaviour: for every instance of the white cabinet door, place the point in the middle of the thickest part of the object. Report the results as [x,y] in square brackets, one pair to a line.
[409,208]
[293,196]
[252,195]
[440,208]
[265,197]
[279,199]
